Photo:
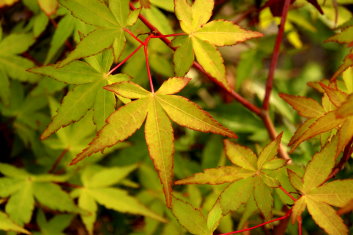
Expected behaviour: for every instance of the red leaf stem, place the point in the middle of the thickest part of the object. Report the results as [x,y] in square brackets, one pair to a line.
[275,55]
[126,59]
[145,47]
[260,225]
[133,35]
[169,35]
[287,193]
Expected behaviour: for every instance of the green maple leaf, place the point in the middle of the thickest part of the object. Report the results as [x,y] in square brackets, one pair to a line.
[335,114]
[54,226]
[7,224]
[12,65]
[89,79]
[109,22]
[98,188]
[317,196]
[250,175]
[23,188]
[203,38]
[157,108]
[190,218]
[25,113]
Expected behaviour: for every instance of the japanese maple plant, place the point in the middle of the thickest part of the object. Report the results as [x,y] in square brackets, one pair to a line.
[127,71]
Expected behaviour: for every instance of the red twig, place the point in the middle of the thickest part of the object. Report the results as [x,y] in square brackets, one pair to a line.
[260,225]
[275,56]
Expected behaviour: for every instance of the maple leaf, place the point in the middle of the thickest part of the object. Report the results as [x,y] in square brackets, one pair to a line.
[23,188]
[12,65]
[335,114]
[317,195]
[203,38]
[89,79]
[54,226]
[183,211]
[252,175]
[7,224]
[98,188]
[157,109]
[344,37]
[109,22]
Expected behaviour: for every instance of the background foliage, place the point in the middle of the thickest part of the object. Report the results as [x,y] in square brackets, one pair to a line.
[56,57]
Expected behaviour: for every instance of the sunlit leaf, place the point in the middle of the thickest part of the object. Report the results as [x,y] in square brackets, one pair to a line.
[191,218]
[326,217]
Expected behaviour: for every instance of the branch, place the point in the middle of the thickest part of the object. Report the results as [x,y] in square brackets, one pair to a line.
[275,55]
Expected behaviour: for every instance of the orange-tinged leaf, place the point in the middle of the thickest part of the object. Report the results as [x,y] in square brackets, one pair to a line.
[269,152]
[236,194]
[323,124]
[263,198]
[346,109]
[120,125]
[346,36]
[189,114]
[306,107]
[159,138]
[224,33]
[336,96]
[326,217]
[240,155]
[173,85]
[128,89]
[320,166]
[214,176]
[336,193]
[300,131]
[298,208]
[347,62]
[345,134]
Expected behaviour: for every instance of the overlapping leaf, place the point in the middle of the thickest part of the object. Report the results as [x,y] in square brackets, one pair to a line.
[110,22]
[250,176]
[89,79]
[157,108]
[24,188]
[7,224]
[317,196]
[12,65]
[191,218]
[344,37]
[334,114]
[98,188]
[203,38]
